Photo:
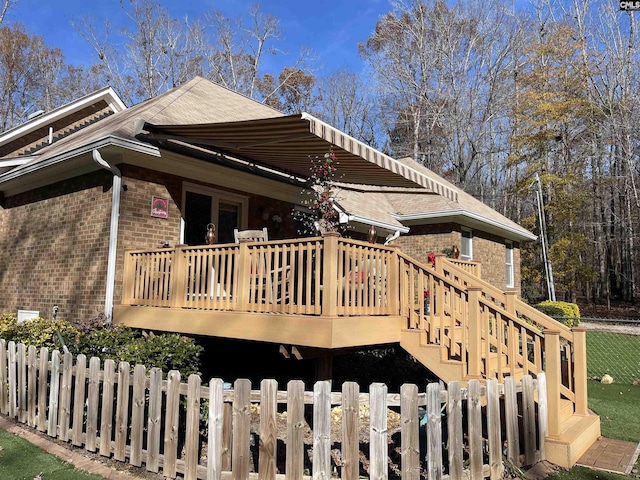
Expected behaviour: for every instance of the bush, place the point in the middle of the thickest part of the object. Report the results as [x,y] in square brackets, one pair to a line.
[167,351]
[39,332]
[564,312]
[96,338]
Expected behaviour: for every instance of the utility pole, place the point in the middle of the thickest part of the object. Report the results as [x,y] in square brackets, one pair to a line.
[551,291]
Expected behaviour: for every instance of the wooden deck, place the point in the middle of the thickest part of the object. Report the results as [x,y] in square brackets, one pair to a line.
[333,293]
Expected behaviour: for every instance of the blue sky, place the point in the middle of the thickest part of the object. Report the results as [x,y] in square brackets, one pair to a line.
[332,28]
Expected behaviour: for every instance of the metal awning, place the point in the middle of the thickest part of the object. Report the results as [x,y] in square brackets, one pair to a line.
[287,144]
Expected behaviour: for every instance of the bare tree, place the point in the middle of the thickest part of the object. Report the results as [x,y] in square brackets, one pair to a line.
[6,5]
[158,53]
[233,53]
[346,102]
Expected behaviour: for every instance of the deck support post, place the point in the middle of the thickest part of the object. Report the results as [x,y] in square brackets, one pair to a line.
[580,369]
[554,378]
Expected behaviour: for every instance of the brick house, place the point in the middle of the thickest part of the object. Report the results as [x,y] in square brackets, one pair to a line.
[105,209]
[203,154]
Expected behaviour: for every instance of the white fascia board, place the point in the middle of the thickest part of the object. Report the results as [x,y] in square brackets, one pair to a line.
[520,234]
[107,94]
[107,141]
[375,223]
[16,161]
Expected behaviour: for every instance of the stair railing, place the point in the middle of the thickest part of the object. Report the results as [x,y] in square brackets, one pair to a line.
[493,333]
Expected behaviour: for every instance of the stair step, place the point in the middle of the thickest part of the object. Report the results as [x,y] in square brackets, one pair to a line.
[413,341]
[577,434]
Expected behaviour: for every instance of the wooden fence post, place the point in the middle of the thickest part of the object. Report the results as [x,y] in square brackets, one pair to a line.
[171,424]
[434,432]
[4,381]
[330,273]
[214,433]
[350,424]
[474,358]
[554,378]
[580,369]
[54,389]
[378,431]
[322,430]
[410,447]
[268,429]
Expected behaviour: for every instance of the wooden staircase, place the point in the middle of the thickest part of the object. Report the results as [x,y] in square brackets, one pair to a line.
[471,330]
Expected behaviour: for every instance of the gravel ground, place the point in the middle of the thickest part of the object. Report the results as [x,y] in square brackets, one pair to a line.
[613,327]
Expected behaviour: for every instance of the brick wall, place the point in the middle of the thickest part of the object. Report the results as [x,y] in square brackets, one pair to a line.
[488,249]
[55,240]
[54,244]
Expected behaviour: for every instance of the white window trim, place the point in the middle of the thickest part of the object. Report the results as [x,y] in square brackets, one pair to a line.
[218,196]
[509,264]
[468,257]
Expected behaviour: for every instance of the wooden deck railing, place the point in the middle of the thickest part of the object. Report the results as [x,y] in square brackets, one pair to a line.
[490,332]
[313,276]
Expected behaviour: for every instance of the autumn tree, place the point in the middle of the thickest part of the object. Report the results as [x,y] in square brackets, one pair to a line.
[293,92]
[552,112]
[33,76]
[155,52]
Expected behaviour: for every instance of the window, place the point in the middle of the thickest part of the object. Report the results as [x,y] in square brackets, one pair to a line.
[466,252]
[202,205]
[508,257]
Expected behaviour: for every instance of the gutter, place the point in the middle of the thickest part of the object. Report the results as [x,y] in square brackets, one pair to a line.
[521,234]
[375,223]
[113,232]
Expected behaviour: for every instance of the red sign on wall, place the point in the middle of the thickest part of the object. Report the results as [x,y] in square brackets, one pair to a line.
[159,207]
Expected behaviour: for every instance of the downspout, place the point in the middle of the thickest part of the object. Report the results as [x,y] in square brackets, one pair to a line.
[113,232]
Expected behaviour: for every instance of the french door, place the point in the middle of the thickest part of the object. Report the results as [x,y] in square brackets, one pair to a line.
[202,206]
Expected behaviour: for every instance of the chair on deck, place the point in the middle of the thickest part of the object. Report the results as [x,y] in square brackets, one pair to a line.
[274,281]
[251,235]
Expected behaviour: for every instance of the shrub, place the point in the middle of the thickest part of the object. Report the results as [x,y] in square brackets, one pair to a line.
[97,338]
[564,312]
[167,351]
[107,341]
[39,332]
[8,324]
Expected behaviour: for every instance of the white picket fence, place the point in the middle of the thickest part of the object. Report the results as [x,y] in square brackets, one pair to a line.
[197,431]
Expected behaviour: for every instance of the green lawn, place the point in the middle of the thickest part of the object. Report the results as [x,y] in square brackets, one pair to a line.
[21,460]
[615,354]
[619,408]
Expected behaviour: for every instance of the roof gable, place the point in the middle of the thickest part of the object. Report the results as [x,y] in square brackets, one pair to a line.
[49,127]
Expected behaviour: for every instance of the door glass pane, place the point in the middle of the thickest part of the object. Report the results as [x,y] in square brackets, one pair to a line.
[197,215]
[228,219]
